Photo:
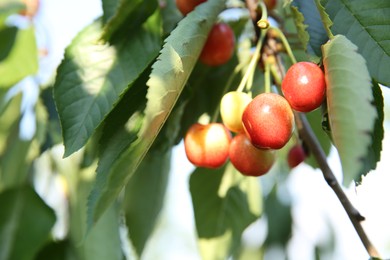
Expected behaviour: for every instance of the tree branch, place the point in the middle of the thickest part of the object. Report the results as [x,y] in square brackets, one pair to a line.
[308,136]
[306,133]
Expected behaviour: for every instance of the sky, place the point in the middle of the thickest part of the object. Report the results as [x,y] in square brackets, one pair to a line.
[315,205]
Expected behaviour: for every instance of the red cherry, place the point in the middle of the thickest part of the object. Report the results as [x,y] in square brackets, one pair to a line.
[268,121]
[207,145]
[304,86]
[186,6]
[219,46]
[249,160]
[296,155]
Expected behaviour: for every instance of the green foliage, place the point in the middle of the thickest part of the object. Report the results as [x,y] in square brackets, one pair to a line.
[279,219]
[349,101]
[122,97]
[130,15]
[373,154]
[309,25]
[225,203]
[144,196]
[93,76]
[23,217]
[365,23]
[169,74]
[23,48]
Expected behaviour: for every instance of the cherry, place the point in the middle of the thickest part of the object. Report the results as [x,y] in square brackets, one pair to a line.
[268,121]
[207,145]
[295,155]
[186,6]
[249,160]
[219,46]
[304,86]
[232,107]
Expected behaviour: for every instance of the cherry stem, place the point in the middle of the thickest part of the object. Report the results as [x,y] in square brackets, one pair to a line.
[252,65]
[285,44]
[229,82]
[267,78]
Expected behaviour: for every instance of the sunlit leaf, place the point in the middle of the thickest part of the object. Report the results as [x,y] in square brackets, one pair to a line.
[93,76]
[225,203]
[366,24]
[24,49]
[169,75]
[349,98]
[25,223]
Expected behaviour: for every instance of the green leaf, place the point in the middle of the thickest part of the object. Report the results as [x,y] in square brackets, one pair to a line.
[365,23]
[315,120]
[170,15]
[309,22]
[109,9]
[93,76]
[24,49]
[15,154]
[169,75]
[7,40]
[25,223]
[129,15]
[349,99]
[279,219]
[144,196]
[103,240]
[225,203]
[57,250]
[374,150]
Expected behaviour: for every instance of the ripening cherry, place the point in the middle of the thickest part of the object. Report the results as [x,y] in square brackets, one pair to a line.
[186,6]
[304,86]
[249,160]
[232,107]
[268,121]
[219,46]
[207,145]
[296,155]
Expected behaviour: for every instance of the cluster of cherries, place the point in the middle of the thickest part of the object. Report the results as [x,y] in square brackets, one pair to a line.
[251,129]
[260,125]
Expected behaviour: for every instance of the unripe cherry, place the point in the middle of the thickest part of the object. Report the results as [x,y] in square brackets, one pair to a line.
[232,107]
